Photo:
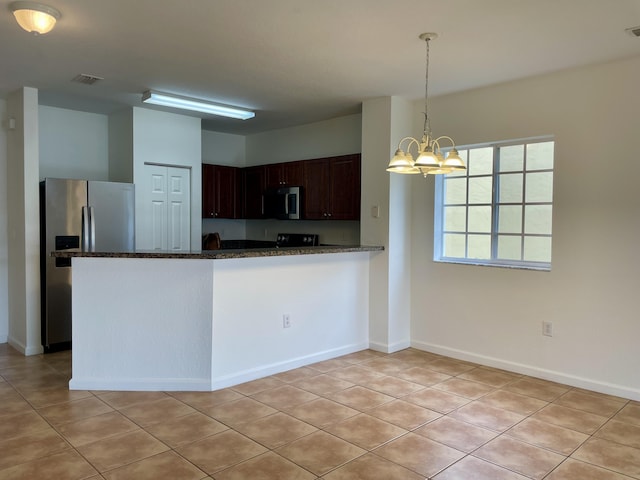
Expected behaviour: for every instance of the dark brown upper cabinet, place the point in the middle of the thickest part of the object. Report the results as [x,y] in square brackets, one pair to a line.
[284,174]
[219,191]
[332,188]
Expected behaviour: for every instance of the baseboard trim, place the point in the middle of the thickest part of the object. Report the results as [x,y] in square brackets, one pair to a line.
[389,348]
[215,383]
[142,384]
[24,349]
[248,375]
[545,374]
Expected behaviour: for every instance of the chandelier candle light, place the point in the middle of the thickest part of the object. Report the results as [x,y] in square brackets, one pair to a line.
[430,159]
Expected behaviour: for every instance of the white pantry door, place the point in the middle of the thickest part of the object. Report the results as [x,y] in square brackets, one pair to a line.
[166,222]
[179,205]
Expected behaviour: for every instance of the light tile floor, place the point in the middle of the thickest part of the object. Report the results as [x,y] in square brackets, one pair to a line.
[407,415]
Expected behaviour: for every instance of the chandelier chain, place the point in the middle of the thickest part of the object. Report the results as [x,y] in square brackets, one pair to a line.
[427,122]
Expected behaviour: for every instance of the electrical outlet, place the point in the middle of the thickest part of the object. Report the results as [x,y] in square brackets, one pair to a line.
[547,329]
[286,320]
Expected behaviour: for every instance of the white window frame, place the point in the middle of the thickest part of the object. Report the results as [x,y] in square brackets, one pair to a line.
[493,261]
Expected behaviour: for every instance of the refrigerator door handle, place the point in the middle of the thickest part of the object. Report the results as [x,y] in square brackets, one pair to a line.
[92,220]
[85,229]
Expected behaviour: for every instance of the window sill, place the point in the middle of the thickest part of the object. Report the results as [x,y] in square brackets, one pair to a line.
[477,263]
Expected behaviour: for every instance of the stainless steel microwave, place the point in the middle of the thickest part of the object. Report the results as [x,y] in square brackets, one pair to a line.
[283,203]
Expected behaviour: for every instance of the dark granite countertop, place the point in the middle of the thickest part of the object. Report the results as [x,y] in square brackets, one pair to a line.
[224,254]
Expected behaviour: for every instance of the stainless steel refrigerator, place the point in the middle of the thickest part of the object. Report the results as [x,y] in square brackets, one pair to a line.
[77,215]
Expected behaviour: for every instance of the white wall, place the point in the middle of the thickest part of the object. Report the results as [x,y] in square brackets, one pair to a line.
[338,136]
[73,144]
[172,140]
[223,148]
[325,296]
[194,328]
[4,274]
[494,315]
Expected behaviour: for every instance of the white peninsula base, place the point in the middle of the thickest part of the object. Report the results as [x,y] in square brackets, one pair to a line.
[202,324]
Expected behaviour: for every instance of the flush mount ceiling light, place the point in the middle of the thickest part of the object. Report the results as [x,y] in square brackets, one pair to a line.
[35,17]
[430,159]
[185,103]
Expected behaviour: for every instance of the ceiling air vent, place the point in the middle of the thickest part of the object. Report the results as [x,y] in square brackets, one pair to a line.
[633,31]
[86,79]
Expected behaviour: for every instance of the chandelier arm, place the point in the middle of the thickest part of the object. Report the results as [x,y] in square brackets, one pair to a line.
[411,142]
[443,137]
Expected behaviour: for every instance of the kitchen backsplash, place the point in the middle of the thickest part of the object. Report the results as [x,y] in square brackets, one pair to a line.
[330,232]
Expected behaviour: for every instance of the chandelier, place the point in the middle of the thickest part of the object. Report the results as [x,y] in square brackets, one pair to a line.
[430,159]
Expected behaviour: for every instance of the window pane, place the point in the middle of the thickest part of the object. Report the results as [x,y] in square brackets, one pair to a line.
[455,190]
[510,219]
[479,219]
[537,219]
[539,187]
[540,156]
[455,219]
[511,158]
[510,188]
[479,247]
[454,245]
[480,190]
[480,161]
[537,249]
[509,247]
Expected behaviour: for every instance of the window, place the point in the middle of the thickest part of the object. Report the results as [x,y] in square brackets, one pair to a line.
[498,211]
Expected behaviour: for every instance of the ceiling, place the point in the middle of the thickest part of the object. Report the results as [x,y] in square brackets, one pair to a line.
[302,61]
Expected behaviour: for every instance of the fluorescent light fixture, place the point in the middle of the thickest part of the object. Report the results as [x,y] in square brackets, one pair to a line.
[184,103]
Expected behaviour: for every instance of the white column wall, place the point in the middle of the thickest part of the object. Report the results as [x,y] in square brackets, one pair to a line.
[4,256]
[494,315]
[384,122]
[23,222]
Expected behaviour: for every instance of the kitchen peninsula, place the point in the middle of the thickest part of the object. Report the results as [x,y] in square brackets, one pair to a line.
[207,320]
